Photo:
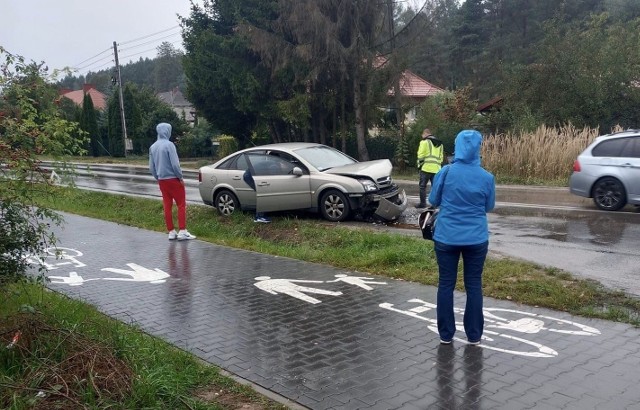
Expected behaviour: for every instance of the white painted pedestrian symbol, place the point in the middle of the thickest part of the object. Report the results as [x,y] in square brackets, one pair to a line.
[289,287]
[139,274]
[72,280]
[360,281]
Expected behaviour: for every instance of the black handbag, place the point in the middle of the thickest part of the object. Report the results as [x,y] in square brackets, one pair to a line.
[427,219]
[427,222]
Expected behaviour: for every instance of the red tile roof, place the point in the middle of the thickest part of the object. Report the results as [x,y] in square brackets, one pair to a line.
[412,85]
[99,99]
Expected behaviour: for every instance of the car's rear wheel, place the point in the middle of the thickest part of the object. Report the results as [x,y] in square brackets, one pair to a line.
[226,202]
[334,206]
[609,194]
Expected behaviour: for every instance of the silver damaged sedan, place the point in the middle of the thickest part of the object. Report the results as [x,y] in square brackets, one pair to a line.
[302,176]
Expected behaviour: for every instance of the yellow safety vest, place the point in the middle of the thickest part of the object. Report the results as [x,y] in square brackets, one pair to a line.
[430,156]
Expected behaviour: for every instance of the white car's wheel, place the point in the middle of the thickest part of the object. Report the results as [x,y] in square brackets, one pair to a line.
[334,206]
[226,202]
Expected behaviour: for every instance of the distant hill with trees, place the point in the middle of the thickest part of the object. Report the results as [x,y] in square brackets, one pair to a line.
[160,74]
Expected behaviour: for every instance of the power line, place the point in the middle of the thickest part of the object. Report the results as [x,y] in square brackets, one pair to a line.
[109,57]
[142,52]
[99,68]
[91,58]
[148,35]
[149,42]
[100,62]
[79,66]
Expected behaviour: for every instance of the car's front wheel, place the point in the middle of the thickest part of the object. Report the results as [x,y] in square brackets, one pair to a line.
[226,202]
[609,194]
[334,206]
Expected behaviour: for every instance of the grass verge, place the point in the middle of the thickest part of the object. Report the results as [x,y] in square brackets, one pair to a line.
[68,355]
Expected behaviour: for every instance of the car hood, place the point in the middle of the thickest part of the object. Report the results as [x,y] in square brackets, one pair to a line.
[376,169]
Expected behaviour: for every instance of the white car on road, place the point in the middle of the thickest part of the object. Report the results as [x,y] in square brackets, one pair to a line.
[302,176]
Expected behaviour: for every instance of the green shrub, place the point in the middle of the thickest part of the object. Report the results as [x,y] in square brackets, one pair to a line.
[228,145]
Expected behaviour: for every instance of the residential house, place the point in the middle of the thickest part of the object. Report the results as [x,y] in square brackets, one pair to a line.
[414,90]
[99,99]
[180,105]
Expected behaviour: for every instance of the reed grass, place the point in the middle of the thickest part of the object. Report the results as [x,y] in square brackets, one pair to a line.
[546,155]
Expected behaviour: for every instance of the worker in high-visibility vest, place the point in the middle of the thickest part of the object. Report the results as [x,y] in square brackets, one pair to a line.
[430,158]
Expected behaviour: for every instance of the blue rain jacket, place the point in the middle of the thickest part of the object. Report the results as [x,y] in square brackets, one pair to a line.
[464,192]
[163,156]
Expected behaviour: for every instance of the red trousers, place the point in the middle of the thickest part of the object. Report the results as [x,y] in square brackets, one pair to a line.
[173,190]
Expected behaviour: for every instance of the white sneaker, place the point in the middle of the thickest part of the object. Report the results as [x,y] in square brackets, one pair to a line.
[185,235]
[173,235]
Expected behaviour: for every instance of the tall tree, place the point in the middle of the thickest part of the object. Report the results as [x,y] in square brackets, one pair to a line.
[167,70]
[226,82]
[431,34]
[584,75]
[89,124]
[623,10]
[114,127]
[329,46]
[471,33]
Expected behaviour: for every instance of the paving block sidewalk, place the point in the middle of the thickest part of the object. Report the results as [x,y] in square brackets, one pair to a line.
[327,338]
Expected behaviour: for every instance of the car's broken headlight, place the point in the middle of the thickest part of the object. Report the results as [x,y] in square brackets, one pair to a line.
[369,185]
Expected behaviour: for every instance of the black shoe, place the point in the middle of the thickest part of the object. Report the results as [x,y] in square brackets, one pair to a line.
[421,205]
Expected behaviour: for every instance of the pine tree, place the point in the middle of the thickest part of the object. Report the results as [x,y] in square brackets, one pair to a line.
[89,124]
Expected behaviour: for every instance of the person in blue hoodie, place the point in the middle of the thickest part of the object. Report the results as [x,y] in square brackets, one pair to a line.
[165,168]
[464,192]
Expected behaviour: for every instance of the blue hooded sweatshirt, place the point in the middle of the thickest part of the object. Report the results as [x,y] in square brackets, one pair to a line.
[163,157]
[464,192]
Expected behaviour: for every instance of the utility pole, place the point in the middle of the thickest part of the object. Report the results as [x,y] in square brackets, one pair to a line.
[125,139]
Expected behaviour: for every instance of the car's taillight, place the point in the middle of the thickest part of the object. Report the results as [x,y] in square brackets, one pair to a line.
[199,176]
[576,166]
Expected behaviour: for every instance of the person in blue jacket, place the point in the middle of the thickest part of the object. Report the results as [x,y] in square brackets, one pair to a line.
[464,192]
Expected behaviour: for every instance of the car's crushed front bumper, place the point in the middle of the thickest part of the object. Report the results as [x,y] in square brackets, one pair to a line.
[391,209]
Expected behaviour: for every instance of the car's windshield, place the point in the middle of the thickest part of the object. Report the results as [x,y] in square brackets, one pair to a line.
[323,157]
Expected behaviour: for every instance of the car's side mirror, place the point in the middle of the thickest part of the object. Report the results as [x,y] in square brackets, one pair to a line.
[297,171]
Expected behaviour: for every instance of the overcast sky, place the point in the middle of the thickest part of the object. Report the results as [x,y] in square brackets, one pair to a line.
[80,33]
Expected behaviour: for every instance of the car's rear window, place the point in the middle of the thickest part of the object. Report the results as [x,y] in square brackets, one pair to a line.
[618,147]
[634,148]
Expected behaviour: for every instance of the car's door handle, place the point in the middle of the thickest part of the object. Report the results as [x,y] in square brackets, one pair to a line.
[236,178]
[264,183]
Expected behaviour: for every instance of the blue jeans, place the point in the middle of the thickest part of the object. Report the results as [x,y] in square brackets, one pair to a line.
[473,257]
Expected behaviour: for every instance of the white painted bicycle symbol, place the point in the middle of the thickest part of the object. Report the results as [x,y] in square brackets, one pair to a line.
[61,256]
[505,329]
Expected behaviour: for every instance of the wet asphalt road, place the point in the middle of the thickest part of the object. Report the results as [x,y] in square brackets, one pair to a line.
[545,225]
